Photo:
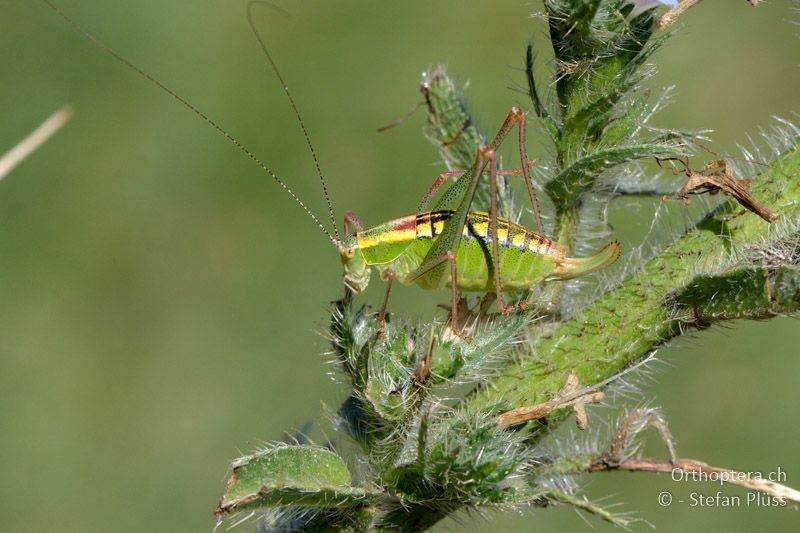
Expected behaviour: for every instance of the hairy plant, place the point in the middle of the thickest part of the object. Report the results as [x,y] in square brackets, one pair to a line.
[422,433]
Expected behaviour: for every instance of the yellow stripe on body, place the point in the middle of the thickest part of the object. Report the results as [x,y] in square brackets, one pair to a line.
[387,237]
[502,235]
[400,230]
[432,224]
[424,229]
[522,238]
[480,225]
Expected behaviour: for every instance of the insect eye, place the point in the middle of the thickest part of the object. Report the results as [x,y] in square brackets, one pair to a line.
[350,252]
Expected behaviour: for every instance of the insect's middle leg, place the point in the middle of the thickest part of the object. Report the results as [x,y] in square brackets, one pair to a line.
[450,257]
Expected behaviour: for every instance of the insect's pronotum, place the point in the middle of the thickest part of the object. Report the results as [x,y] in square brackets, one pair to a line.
[448,245]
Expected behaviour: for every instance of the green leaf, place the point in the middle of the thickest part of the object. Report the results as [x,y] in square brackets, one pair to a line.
[466,458]
[552,125]
[578,178]
[450,124]
[465,361]
[289,475]
[611,79]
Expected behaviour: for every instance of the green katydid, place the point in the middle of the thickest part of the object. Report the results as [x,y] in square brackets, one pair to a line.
[485,253]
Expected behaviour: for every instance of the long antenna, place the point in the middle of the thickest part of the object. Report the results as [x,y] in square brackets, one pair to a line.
[100,44]
[297,115]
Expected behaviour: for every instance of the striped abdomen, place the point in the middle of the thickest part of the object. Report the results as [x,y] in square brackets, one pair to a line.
[525,258]
[509,235]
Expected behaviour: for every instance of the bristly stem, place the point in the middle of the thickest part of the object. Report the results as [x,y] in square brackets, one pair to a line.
[437,425]
[730,277]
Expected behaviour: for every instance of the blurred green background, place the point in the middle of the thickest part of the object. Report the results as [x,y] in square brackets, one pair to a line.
[161,298]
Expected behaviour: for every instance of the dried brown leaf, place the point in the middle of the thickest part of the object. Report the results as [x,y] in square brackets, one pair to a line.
[717,176]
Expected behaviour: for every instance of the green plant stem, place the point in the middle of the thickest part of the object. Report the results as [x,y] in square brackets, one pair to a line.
[657,301]
[415,517]
[768,292]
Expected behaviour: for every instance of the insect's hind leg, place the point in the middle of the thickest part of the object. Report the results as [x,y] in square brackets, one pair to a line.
[442,178]
[445,248]
[517,117]
[493,235]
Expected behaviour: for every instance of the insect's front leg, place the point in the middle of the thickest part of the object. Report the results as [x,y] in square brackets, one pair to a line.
[451,257]
[390,275]
[350,219]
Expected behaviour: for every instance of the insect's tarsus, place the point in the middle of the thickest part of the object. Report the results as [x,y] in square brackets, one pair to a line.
[100,44]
